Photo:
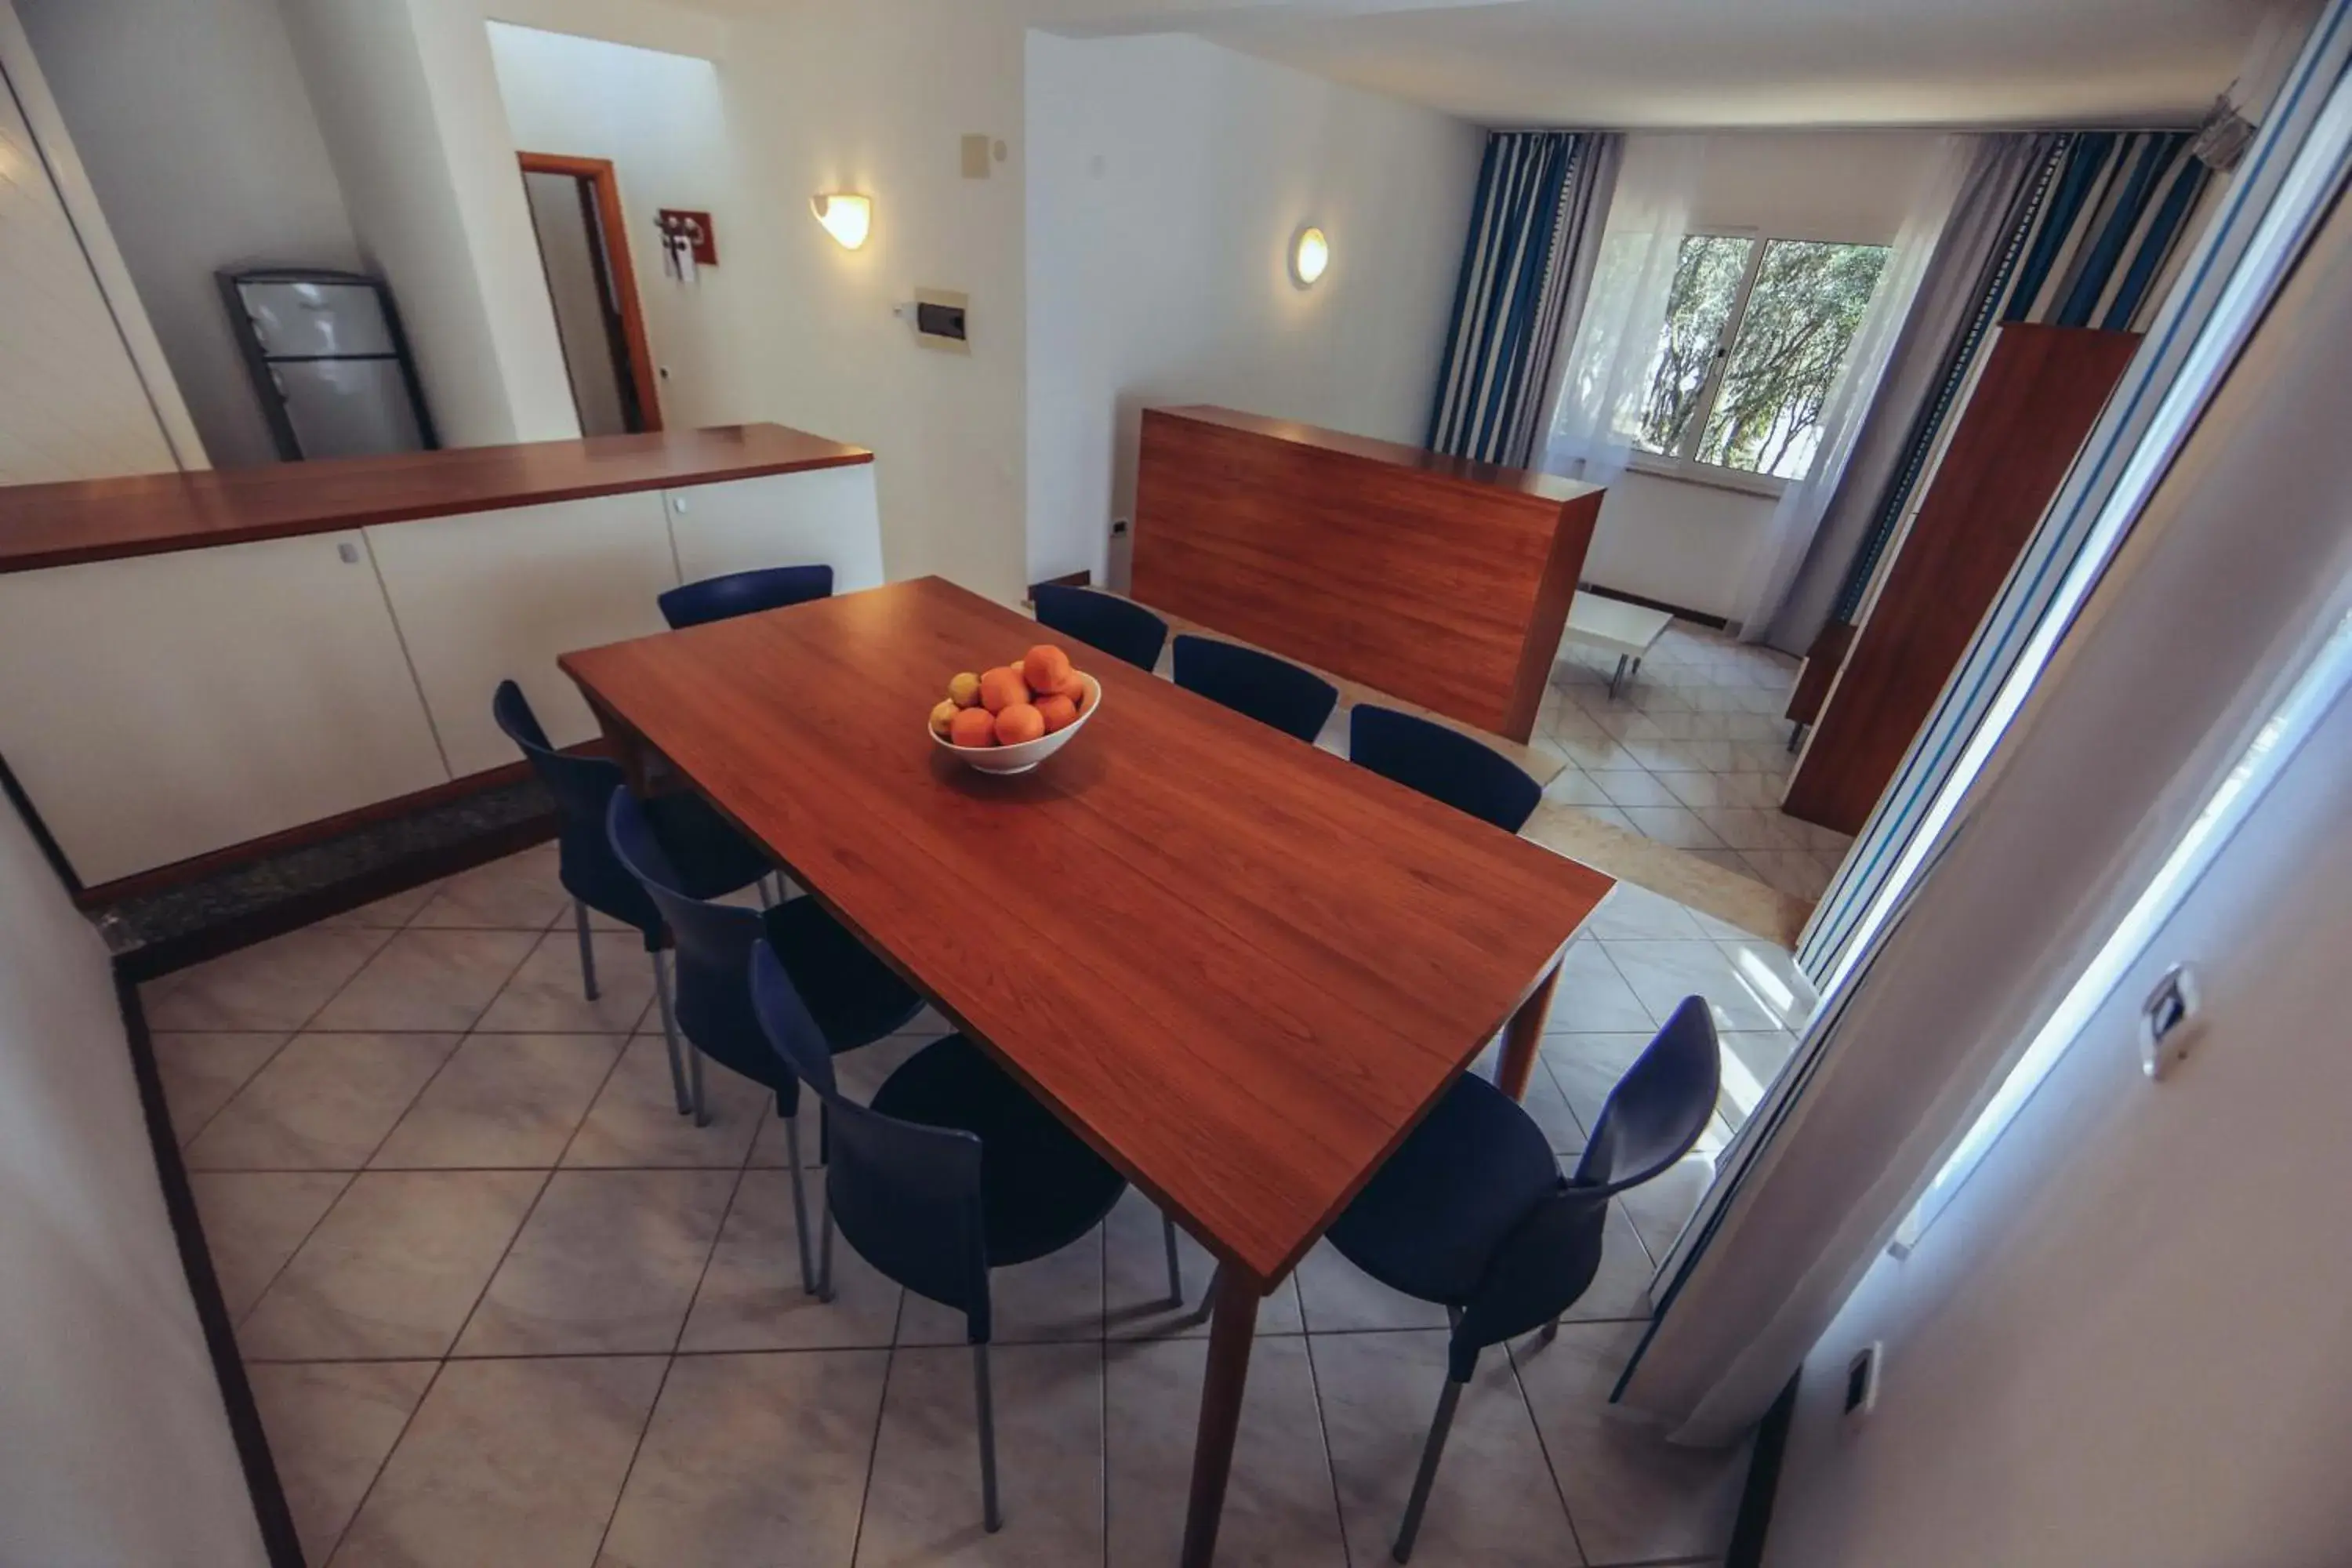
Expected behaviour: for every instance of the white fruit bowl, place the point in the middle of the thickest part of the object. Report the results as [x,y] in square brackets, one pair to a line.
[1019,759]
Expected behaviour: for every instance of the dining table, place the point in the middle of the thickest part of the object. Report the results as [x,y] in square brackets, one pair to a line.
[1239,967]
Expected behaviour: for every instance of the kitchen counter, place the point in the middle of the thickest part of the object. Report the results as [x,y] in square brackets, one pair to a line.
[151,514]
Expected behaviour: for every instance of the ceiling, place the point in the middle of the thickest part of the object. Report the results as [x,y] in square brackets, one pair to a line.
[1693,63]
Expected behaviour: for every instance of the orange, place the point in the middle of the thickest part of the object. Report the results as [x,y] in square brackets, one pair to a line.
[1046,667]
[1001,689]
[1059,711]
[943,718]
[972,727]
[1017,723]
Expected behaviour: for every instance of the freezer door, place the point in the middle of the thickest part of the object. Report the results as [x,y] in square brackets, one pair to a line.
[348,407]
[297,321]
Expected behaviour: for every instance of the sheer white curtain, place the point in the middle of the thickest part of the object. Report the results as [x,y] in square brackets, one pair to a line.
[1614,353]
[1772,568]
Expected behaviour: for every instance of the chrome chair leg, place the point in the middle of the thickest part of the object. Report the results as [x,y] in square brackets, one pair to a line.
[824,1255]
[587,951]
[799,1204]
[1617,676]
[990,1514]
[1175,1269]
[1433,1450]
[670,1034]
[694,1087]
[1551,1331]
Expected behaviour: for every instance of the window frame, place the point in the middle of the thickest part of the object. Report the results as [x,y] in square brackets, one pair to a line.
[1684,462]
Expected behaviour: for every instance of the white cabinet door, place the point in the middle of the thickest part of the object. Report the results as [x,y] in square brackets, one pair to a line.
[819,517]
[170,705]
[492,595]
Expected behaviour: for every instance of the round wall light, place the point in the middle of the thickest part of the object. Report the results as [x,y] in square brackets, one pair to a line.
[846,215]
[1310,253]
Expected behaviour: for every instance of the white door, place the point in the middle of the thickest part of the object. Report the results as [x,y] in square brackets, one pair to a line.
[486,596]
[820,517]
[170,705]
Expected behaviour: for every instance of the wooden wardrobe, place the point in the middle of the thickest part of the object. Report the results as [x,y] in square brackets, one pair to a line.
[2041,392]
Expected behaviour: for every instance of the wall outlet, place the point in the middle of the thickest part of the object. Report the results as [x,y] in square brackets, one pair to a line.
[1861,1383]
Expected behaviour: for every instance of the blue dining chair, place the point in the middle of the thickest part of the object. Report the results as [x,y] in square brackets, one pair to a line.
[711,857]
[852,996]
[1444,765]
[952,1171]
[1471,1213]
[743,594]
[1120,627]
[1271,691]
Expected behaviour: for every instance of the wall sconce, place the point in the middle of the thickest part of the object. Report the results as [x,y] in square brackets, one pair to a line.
[846,215]
[1310,253]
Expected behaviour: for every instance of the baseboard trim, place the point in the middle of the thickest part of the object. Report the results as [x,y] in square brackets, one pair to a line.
[1763,1484]
[271,1514]
[1679,612]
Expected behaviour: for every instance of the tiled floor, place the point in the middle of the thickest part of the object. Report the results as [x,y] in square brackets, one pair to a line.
[501,1304]
[1692,753]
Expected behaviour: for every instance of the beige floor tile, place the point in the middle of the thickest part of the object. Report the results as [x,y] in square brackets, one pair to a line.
[276,985]
[1633,786]
[606,1265]
[1634,1496]
[1661,1207]
[1587,1067]
[634,1119]
[203,1071]
[1574,786]
[923,1505]
[1620,1289]
[514,1463]
[751,1297]
[1592,995]
[1334,1294]
[1493,1503]
[771,1149]
[1663,973]
[1770,975]
[1057,1297]
[392,1270]
[330,1425]
[427,980]
[519,892]
[388,913]
[1631,911]
[1280,1511]
[751,1459]
[323,1104]
[1549,1107]
[254,1220]
[1675,825]
[1135,1279]
[544,996]
[510,1101]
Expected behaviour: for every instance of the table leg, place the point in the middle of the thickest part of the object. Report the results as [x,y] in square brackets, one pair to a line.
[1231,1335]
[626,747]
[1524,1034]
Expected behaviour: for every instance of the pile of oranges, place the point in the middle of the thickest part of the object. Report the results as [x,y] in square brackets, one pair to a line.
[1035,695]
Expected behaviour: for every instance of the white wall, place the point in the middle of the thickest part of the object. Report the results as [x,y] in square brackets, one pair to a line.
[199,137]
[1687,543]
[118,1450]
[659,118]
[408,104]
[2126,1341]
[1166,179]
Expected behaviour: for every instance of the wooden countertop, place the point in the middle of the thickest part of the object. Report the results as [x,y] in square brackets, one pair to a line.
[1524,481]
[148,514]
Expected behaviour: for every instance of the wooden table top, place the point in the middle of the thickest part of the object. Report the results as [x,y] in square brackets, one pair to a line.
[1240,966]
[148,514]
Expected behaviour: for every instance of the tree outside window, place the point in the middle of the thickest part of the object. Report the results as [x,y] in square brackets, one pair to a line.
[1755,335]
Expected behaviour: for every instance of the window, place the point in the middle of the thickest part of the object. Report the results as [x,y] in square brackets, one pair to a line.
[1756,333]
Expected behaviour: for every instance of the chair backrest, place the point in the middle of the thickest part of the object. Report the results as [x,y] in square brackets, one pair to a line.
[907,1196]
[714,944]
[744,594]
[1443,765]
[1652,1119]
[581,785]
[1269,689]
[1124,630]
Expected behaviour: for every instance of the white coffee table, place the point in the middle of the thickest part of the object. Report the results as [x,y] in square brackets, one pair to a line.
[1629,631]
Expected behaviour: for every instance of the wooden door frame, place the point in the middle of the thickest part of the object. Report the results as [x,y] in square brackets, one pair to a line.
[599,173]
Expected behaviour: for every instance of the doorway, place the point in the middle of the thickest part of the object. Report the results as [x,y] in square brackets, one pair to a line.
[575,210]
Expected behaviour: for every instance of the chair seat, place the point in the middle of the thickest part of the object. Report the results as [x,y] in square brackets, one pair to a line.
[1040,1187]
[854,996]
[1429,1221]
[712,859]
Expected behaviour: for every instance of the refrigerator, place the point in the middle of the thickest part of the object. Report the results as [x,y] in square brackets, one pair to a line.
[328,361]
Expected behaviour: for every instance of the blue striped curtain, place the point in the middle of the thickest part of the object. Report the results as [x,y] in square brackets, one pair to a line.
[1517,266]
[2091,236]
